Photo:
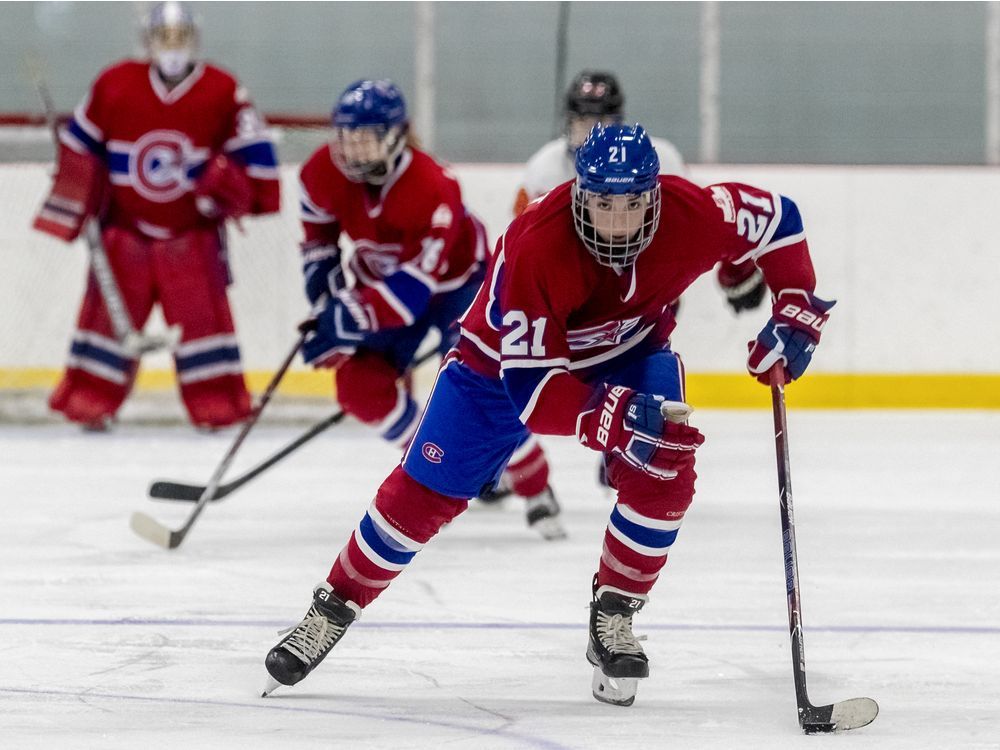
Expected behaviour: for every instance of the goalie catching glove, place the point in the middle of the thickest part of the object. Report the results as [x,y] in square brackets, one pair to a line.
[342,324]
[636,426]
[790,336]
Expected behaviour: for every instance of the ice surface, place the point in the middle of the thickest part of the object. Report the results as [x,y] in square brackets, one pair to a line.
[109,642]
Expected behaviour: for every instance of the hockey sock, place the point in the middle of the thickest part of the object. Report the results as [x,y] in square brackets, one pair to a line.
[403,518]
[527,473]
[642,527]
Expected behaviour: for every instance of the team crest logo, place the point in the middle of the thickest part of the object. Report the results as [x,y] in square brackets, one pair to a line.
[432,453]
[606,334]
[158,164]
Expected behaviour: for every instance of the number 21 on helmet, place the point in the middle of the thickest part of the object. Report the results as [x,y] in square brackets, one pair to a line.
[616,196]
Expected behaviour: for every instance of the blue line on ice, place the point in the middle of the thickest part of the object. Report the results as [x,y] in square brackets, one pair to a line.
[422,625]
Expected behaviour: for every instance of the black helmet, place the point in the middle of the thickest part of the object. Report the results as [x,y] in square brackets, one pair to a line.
[594,92]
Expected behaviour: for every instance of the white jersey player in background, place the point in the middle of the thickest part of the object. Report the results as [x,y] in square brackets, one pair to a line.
[593,97]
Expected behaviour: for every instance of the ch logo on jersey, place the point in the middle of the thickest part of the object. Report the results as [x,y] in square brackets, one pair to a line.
[158,165]
[432,453]
[606,334]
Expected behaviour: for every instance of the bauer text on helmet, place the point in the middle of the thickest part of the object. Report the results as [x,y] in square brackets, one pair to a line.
[616,197]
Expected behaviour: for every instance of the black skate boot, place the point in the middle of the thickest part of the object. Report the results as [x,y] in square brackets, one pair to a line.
[618,659]
[306,645]
[542,514]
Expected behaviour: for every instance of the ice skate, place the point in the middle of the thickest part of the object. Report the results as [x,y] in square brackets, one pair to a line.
[306,645]
[618,659]
[542,514]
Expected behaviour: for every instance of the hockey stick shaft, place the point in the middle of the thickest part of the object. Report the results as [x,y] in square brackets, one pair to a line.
[165,490]
[777,377]
[152,530]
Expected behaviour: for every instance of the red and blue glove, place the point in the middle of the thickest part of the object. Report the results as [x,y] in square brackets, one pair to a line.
[647,431]
[321,270]
[790,336]
[342,324]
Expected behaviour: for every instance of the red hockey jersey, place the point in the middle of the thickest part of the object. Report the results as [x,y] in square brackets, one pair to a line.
[156,142]
[413,237]
[549,317]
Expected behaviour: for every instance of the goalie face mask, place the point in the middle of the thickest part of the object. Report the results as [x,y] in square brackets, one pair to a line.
[171,37]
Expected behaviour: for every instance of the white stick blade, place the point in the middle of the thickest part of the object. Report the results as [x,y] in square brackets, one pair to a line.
[853,713]
[150,529]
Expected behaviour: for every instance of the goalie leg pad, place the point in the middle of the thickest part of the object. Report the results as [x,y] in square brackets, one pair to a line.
[191,277]
[100,372]
[404,517]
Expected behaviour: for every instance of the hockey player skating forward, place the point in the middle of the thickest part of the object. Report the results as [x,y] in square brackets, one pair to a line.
[419,258]
[570,336]
[161,152]
[594,98]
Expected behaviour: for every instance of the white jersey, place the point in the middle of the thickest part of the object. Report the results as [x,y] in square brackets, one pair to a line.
[553,165]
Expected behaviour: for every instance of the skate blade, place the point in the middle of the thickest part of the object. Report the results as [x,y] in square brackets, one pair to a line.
[550,529]
[270,686]
[618,691]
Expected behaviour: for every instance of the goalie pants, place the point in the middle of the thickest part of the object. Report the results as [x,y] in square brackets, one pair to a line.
[187,276]
[469,430]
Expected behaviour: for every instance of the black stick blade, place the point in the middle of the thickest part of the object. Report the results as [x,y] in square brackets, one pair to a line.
[164,490]
[838,717]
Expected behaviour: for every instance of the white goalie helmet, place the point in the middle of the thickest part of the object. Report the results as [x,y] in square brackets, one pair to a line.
[171,36]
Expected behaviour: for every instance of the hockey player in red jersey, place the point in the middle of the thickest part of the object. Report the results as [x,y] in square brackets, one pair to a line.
[418,261]
[161,152]
[570,335]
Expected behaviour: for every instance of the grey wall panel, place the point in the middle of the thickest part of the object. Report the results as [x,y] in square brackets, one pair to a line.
[800,82]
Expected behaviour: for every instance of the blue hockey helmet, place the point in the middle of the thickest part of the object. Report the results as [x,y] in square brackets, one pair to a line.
[616,197]
[370,126]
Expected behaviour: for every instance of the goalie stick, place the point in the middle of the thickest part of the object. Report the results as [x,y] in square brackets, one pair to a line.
[835,717]
[135,343]
[152,530]
[167,490]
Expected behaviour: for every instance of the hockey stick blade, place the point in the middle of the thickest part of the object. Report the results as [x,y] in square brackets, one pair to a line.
[153,531]
[190,493]
[838,717]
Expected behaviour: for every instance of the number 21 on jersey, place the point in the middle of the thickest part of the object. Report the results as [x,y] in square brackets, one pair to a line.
[515,341]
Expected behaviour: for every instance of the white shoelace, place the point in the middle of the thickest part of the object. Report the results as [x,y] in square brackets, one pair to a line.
[615,632]
[311,636]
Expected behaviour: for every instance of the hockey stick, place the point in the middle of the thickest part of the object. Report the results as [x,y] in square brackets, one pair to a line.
[835,717]
[166,490]
[152,530]
[135,343]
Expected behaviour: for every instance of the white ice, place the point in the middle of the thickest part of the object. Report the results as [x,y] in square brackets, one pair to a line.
[109,642]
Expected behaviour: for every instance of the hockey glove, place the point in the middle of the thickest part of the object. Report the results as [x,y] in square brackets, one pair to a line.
[790,336]
[224,190]
[637,427]
[342,325]
[321,270]
[743,285]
